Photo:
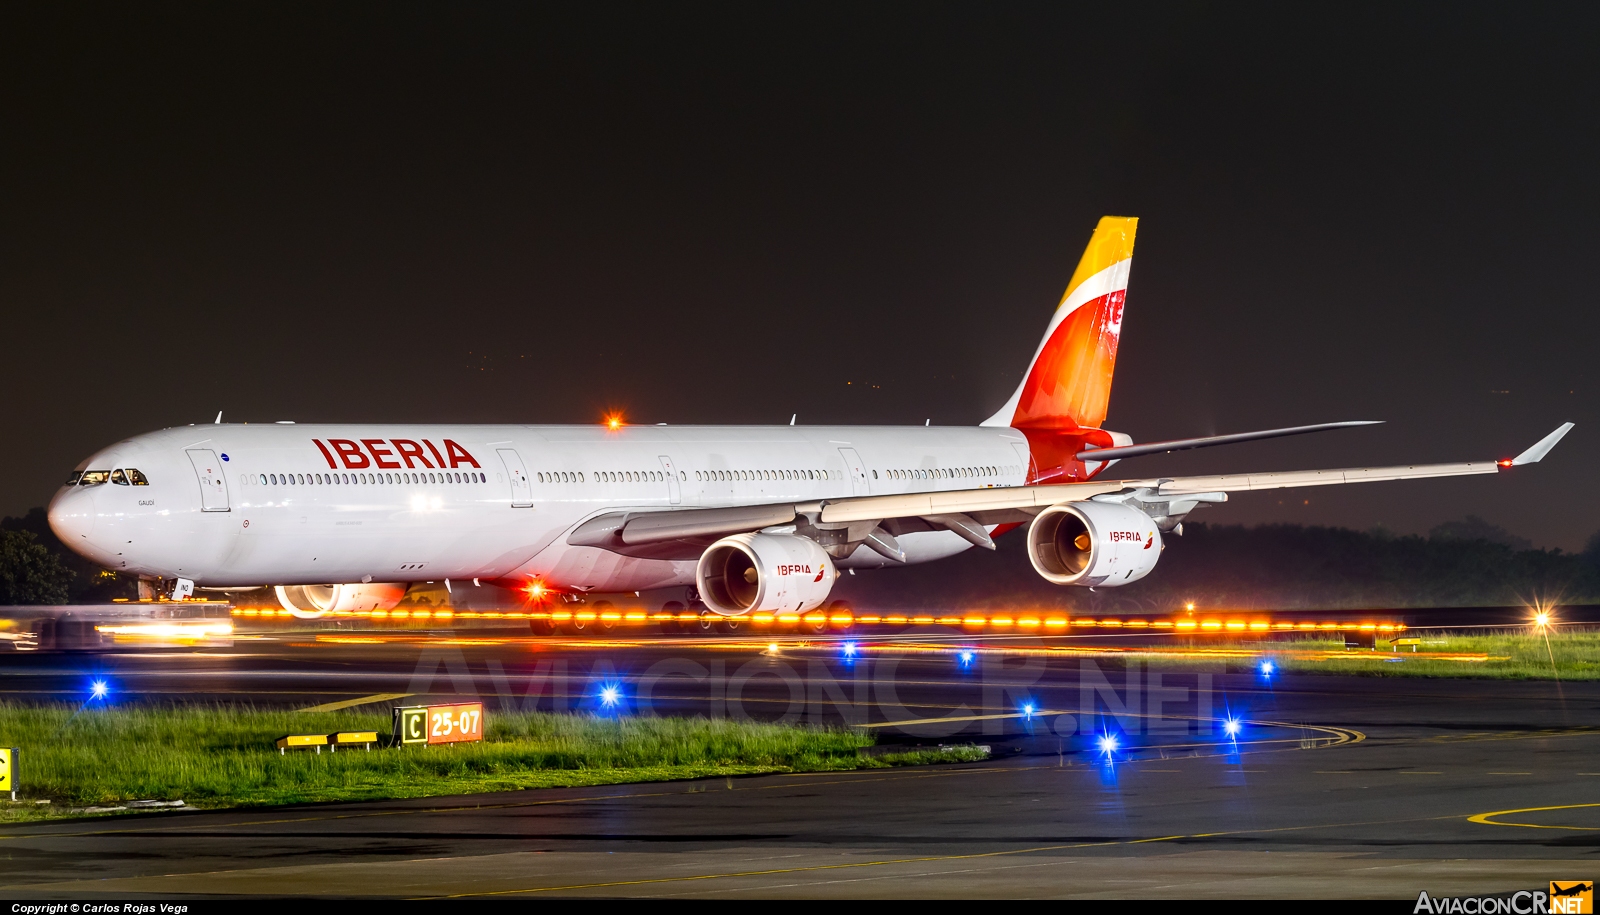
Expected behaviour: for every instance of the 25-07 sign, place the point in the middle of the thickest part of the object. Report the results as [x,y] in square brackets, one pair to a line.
[434,724]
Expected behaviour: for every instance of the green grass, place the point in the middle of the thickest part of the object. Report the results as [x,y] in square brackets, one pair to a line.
[224,756]
[1520,654]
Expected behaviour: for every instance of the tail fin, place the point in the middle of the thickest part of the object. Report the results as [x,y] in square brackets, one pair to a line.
[1068,384]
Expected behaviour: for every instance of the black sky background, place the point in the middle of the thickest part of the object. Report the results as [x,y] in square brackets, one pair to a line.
[724,213]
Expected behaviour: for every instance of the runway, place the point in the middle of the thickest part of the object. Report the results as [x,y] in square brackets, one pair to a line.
[1333,788]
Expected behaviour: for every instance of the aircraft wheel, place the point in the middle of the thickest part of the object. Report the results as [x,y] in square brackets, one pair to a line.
[672,626]
[704,624]
[843,606]
[542,627]
[603,626]
[731,624]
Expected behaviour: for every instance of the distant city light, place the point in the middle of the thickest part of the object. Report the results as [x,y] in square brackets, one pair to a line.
[1541,619]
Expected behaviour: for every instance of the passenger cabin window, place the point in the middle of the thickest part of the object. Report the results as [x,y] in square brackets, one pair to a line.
[94,477]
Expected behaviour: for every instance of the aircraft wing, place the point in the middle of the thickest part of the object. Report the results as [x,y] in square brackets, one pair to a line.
[680,533]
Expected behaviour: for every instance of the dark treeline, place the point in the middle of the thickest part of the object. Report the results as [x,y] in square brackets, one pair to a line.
[1278,566]
[35,568]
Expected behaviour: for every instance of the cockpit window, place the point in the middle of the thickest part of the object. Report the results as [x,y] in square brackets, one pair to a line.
[93,477]
[119,478]
[73,479]
[137,478]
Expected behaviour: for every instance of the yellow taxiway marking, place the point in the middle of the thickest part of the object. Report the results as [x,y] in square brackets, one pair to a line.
[352,703]
[892,861]
[1488,819]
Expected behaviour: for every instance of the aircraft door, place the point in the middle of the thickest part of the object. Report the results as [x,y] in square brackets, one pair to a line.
[213,487]
[857,471]
[674,494]
[1026,457]
[521,486]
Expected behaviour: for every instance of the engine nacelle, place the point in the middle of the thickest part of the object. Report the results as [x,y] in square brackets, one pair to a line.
[772,572]
[1093,544]
[309,602]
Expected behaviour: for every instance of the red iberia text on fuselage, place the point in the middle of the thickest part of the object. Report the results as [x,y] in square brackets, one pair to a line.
[388,454]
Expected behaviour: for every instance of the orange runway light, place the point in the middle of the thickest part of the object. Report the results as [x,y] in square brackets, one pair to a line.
[872,619]
[1111,624]
[1083,622]
[1029,622]
[896,620]
[763,618]
[1258,626]
[1211,624]
[949,620]
[922,620]
[1056,622]
[973,621]
[843,619]
[1000,621]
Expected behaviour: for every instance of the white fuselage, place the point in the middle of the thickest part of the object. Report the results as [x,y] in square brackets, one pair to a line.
[284,504]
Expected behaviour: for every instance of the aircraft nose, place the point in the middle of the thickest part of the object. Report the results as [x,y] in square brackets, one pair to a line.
[72,516]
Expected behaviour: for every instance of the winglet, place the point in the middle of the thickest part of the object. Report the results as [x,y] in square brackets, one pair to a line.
[1537,452]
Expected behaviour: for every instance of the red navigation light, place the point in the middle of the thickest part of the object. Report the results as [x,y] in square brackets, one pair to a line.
[613,421]
[1504,463]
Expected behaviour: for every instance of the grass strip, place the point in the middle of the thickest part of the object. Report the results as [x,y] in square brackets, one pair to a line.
[1512,654]
[223,756]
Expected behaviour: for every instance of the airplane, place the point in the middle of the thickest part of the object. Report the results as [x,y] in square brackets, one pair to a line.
[737,519]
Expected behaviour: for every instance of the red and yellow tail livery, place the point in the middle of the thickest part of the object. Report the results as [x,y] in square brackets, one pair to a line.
[1062,400]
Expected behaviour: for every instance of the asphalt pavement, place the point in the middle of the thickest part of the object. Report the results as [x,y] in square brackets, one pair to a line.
[1218,785]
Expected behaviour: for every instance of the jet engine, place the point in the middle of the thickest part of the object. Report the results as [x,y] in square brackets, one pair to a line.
[1093,544]
[308,602]
[772,572]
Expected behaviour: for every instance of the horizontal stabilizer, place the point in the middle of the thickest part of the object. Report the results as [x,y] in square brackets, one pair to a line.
[1184,444]
[1536,454]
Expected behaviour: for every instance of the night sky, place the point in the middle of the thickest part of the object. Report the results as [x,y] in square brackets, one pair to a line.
[861,213]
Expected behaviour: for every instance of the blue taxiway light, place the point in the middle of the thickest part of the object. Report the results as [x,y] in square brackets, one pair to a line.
[966,657]
[1027,710]
[97,689]
[610,695]
[1108,743]
[1267,667]
[849,649]
[1231,727]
